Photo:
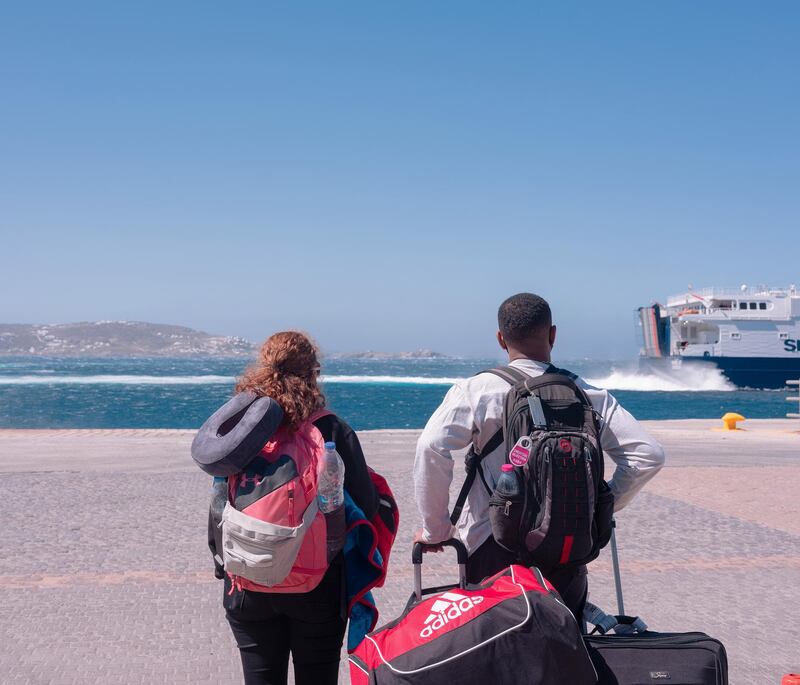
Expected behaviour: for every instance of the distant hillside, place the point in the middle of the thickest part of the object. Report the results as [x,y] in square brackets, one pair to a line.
[416,354]
[117,339]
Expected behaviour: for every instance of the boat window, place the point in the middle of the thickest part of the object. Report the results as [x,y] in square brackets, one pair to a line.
[783,336]
[736,336]
[697,333]
[753,305]
[743,305]
[762,305]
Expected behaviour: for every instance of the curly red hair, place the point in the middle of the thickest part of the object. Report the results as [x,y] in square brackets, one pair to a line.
[286,370]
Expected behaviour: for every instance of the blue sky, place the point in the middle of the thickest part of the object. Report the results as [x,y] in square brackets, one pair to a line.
[384,174]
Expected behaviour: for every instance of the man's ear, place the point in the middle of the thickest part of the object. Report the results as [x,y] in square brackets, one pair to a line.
[552,336]
[501,342]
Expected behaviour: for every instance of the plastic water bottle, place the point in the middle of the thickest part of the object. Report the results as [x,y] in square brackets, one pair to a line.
[330,480]
[330,494]
[508,484]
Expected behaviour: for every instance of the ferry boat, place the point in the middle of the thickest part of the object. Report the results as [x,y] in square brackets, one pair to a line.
[751,334]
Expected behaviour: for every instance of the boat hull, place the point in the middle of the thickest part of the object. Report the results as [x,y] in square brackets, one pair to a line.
[743,372]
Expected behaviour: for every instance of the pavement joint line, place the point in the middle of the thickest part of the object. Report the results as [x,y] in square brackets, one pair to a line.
[772,561]
[637,566]
[39,580]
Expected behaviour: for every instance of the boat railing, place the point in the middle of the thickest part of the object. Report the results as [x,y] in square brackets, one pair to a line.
[739,313]
[698,295]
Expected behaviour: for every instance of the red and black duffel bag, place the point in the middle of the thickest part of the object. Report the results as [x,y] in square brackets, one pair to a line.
[512,629]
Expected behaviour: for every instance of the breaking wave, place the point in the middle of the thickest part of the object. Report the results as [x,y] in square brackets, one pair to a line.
[205,380]
[114,380]
[404,380]
[676,380]
[690,379]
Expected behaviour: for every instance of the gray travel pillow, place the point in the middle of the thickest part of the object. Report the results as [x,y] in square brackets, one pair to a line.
[234,434]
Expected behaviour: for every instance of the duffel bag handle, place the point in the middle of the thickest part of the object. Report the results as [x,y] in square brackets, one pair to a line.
[416,559]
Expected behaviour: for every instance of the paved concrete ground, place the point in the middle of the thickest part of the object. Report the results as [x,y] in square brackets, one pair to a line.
[105,578]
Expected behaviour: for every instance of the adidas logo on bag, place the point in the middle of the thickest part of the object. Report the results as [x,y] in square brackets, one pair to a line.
[448,607]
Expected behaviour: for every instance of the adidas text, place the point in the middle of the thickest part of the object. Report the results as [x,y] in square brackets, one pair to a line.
[446,608]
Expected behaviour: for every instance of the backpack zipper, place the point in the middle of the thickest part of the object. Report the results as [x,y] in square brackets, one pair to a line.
[589,473]
[537,485]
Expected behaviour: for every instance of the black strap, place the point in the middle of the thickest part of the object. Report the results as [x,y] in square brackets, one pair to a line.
[555,369]
[473,466]
[509,374]
[599,424]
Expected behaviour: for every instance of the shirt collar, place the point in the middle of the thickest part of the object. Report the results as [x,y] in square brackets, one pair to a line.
[529,364]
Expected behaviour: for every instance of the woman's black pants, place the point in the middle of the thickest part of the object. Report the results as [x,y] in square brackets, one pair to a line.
[270,626]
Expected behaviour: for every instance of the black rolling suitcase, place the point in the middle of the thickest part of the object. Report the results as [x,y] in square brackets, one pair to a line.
[634,655]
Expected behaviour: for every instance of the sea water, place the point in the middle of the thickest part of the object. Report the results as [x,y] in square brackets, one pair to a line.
[37,392]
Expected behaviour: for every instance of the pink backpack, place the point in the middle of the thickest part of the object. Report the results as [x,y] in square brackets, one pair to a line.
[274,537]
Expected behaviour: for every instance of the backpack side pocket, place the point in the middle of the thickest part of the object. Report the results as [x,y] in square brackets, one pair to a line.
[505,515]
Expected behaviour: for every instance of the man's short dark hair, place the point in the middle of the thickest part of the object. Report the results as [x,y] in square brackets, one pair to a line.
[522,316]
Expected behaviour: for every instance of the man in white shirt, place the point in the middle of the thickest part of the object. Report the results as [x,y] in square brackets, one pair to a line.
[471,413]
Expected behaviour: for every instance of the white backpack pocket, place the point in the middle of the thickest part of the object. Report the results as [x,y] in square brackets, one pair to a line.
[260,551]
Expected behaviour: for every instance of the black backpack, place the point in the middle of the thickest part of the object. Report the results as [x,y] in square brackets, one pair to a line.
[562,513]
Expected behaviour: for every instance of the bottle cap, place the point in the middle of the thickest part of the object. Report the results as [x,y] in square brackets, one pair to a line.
[330,445]
[507,467]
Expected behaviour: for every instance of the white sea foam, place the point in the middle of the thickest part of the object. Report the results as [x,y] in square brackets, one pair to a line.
[696,378]
[688,379]
[114,380]
[405,380]
[204,380]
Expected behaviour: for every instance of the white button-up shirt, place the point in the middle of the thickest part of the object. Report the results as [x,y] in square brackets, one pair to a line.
[471,413]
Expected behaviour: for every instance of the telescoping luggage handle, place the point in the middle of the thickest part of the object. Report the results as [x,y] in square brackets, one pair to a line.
[615,564]
[416,560]
[603,622]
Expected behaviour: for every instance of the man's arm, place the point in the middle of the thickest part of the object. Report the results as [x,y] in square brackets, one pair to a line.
[450,428]
[637,454]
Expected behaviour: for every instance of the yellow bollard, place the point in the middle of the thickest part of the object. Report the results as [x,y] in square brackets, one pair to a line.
[730,419]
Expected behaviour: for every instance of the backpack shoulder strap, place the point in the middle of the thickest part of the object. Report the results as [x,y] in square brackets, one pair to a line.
[320,413]
[317,415]
[509,374]
[596,419]
[474,457]
[552,368]
[573,377]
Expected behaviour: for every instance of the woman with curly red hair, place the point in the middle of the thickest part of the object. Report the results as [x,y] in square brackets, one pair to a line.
[269,626]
